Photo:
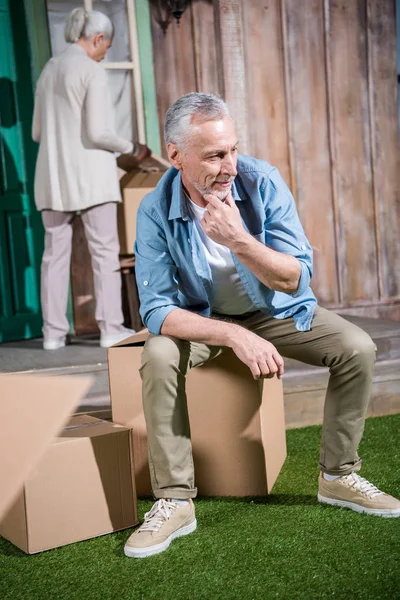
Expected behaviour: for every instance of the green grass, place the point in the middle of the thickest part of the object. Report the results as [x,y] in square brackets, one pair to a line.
[285,546]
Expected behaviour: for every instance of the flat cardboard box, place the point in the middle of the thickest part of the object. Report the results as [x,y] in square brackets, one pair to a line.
[237,423]
[81,488]
[33,409]
[134,186]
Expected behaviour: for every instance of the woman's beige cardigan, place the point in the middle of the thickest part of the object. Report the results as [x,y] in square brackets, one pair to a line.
[72,121]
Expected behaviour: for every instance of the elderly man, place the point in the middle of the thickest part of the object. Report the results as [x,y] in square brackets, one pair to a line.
[222,261]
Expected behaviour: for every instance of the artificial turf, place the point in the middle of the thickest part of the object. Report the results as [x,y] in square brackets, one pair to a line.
[285,546]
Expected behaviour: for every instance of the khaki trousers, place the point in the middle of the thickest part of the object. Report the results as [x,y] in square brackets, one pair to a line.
[100,223]
[332,342]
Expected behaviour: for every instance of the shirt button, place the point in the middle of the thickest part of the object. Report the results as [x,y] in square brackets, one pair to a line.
[303,247]
[189,242]
[145,282]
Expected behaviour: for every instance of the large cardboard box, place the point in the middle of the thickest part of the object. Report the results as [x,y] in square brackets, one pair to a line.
[237,423]
[82,487]
[134,186]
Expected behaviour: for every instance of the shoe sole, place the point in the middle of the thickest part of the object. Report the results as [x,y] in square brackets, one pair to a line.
[389,513]
[47,346]
[144,552]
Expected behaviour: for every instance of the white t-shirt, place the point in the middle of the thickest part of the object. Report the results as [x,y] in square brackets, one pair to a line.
[230,297]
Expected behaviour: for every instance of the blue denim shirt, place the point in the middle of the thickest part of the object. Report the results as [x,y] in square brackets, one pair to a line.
[171,267]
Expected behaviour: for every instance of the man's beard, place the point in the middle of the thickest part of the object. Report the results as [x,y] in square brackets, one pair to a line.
[220,194]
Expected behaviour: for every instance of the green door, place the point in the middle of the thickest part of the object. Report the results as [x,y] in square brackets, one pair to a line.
[21,233]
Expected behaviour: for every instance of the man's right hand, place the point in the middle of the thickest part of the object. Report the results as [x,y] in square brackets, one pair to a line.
[262,358]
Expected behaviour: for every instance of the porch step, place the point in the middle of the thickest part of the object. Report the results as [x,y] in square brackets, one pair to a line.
[82,357]
[305,390]
[304,386]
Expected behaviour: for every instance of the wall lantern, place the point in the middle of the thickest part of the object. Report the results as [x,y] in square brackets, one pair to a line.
[165,10]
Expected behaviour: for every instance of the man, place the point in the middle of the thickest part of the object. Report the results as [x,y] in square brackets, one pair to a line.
[222,261]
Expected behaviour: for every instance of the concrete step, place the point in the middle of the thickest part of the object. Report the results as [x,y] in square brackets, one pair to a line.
[82,357]
[304,386]
[305,391]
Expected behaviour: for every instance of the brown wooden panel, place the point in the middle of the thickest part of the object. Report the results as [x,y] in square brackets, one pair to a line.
[82,286]
[309,129]
[230,36]
[205,48]
[348,61]
[268,136]
[385,140]
[174,63]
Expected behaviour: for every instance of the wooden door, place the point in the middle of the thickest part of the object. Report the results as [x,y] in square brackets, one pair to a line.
[21,235]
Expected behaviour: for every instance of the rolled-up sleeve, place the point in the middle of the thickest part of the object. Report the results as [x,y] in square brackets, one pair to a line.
[156,273]
[283,230]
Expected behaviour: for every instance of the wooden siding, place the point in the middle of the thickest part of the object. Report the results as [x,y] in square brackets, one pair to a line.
[312,85]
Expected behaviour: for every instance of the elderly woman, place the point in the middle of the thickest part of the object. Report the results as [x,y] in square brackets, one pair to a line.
[76,170]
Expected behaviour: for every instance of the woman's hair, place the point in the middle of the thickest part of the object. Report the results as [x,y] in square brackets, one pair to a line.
[206,107]
[83,23]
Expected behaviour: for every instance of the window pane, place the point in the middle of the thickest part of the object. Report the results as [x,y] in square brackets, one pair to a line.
[122,98]
[117,13]
[58,11]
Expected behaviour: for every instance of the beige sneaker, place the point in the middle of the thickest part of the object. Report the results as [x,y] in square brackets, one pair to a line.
[166,521]
[355,492]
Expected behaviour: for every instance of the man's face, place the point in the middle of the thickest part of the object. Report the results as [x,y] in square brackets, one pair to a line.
[208,162]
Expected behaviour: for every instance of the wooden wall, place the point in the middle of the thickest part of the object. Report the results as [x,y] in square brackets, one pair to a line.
[312,85]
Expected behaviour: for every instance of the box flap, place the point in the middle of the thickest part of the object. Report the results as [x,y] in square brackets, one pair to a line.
[139,338]
[33,409]
[86,426]
[147,175]
[140,179]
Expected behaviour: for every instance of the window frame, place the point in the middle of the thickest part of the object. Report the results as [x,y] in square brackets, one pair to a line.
[133,65]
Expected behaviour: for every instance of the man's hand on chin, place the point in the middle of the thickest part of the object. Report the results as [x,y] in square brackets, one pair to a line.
[222,221]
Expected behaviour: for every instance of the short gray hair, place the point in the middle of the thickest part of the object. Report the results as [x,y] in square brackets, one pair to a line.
[206,107]
[84,23]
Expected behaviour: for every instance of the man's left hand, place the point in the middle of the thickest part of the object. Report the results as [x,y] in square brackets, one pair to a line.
[222,221]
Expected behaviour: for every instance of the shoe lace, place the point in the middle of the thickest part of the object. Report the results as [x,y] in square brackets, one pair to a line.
[362,485]
[159,513]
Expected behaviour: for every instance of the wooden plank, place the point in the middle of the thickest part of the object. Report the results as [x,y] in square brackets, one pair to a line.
[305,47]
[173,63]
[228,18]
[82,282]
[347,41]
[205,47]
[385,140]
[268,135]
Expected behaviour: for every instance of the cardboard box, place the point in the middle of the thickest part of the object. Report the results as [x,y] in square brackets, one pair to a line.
[33,409]
[81,488]
[237,423]
[134,186]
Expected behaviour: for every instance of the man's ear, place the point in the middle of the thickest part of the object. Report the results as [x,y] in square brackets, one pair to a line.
[174,155]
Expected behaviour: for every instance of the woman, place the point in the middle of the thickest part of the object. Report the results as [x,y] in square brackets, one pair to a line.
[76,170]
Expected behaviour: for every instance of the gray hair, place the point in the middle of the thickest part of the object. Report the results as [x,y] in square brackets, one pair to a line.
[206,107]
[83,23]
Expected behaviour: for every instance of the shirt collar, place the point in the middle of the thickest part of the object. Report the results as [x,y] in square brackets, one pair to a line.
[179,208]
